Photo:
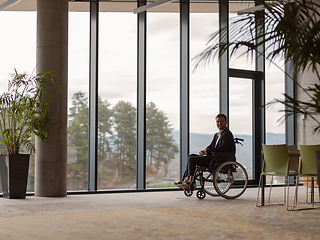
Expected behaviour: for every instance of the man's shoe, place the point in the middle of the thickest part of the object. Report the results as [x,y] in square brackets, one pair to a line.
[180,182]
[176,183]
[184,184]
[187,185]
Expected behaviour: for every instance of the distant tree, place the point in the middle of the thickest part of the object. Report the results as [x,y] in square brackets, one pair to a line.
[104,127]
[124,120]
[116,143]
[106,169]
[78,135]
[161,147]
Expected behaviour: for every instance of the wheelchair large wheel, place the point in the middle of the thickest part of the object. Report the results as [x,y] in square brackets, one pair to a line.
[208,184]
[230,180]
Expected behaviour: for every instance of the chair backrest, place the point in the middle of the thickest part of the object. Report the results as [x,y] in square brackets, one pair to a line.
[276,159]
[308,164]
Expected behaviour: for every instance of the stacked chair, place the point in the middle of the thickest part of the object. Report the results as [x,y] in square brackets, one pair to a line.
[276,163]
[307,170]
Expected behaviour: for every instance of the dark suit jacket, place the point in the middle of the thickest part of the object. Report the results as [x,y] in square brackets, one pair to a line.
[225,144]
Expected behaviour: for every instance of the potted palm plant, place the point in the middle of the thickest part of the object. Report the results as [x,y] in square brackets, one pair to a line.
[24,111]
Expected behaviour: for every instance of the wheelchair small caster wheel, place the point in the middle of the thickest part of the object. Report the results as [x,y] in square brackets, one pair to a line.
[201,194]
[188,192]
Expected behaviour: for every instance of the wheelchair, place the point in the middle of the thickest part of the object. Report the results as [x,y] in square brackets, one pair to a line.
[225,177]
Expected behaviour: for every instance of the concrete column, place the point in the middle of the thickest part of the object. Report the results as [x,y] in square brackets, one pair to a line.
[52,54]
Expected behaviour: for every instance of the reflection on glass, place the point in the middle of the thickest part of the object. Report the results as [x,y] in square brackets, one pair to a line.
[117,100]
[162,114]
[240,59]
[78,104]
[275,128]
[240,119]
[204,83]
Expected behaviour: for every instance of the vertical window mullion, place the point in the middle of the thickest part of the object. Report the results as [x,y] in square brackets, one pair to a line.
[93,96]
[258,131]
[224,59]
[290,91]
[184,81]
[141,99]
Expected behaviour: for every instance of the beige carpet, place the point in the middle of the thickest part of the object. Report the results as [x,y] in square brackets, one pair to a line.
[153,215]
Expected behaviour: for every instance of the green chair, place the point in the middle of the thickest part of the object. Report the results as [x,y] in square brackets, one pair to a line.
[307,168]
[276,163]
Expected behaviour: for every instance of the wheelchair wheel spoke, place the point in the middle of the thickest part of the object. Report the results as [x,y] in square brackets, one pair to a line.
[230,180]
[208,184]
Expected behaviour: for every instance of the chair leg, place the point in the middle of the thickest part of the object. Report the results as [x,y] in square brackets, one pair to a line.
[297,190]
[295,202]
[295,199]
[312,191]
[288,185]
[286,181]
[270,190]
[257,202]
[307,193]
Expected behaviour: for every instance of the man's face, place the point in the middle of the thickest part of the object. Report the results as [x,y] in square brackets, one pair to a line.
[221,123]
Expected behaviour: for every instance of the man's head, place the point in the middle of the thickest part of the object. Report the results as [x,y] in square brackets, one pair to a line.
[222,121]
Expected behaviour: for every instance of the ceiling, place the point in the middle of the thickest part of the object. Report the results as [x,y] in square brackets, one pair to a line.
[197,6]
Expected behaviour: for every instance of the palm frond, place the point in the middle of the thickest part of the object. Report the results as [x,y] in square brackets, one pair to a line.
[286,29]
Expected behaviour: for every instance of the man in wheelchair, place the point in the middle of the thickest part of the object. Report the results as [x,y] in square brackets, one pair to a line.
[222,142]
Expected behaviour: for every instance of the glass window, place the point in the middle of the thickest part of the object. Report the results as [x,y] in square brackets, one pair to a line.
[204,81]
[18,51]
[275,128]
[117,99]
[240,119]
[240,59]
[18,44]
[118,90]
[163,99]
[78,103]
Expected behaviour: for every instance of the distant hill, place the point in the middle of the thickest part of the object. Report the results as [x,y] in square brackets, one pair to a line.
[244,153]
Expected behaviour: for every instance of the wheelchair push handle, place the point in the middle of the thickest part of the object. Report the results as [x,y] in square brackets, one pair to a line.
[238,141]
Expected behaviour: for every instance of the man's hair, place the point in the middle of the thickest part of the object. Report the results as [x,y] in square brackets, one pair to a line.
[222,115]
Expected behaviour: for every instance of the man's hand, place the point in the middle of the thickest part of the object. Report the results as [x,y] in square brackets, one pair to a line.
[202,152]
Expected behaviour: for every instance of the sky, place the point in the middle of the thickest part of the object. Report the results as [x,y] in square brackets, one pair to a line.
[117,65]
